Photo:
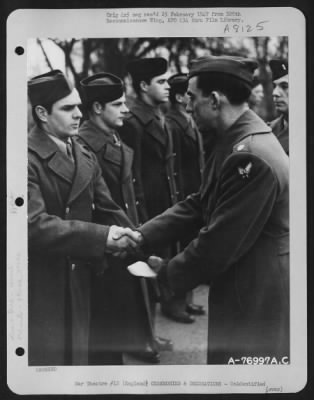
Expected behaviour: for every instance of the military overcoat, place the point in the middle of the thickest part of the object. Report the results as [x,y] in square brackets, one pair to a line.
[119,316]
[242,249]
[280,128]
[145,132]
[65,248]
[188,148]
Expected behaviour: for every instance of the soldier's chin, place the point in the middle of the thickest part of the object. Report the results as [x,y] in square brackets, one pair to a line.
[280,109]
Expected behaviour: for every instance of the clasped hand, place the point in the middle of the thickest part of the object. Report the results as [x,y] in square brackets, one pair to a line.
[121,240]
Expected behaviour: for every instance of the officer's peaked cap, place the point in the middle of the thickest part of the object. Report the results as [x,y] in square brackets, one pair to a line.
[147,68]
[279,68]
[239,67]
[102,87]
[49,88]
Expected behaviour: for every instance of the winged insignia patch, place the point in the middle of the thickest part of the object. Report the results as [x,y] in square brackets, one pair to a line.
[244,172]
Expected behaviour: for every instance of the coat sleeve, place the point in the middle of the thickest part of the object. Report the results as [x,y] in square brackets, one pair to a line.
[51,234]
[243,206]
[173,224]
[131,133]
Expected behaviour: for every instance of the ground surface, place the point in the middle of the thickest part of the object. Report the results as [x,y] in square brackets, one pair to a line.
[189,340]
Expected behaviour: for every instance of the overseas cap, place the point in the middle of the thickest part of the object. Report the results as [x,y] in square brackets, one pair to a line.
[147,68]
[49,88]
[238,67]
[178,83]
[279,68]
[102,86]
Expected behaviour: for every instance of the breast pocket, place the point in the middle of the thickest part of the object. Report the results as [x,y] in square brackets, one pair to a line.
[112,153]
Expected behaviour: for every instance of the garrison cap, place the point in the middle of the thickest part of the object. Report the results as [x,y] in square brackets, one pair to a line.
[49,88]
[279,68]
[147,68]
[238,67]
[178,83]
[102,87]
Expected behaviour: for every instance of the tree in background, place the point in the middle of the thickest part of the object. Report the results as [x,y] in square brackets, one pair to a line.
[83,57]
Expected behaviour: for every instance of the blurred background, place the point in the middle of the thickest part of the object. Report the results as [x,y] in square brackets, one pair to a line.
[79,58]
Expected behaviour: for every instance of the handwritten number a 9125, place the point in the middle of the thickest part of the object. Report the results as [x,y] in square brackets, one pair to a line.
[237,28]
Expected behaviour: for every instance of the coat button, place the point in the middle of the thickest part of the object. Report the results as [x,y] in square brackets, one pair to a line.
[133,180]
[168,178]
[67,210]
[73,266]
[175,174]
[93,206]
[126,205]
[137,202]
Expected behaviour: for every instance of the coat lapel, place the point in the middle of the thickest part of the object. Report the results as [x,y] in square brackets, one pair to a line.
[127,155]
[58,163]
[152,120]
[84,169]
[62,166]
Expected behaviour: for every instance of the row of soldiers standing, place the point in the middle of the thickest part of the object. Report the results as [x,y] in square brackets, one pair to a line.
[148,163]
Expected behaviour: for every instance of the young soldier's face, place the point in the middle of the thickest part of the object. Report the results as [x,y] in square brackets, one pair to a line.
[158,89]
[281,95]
[65,116]
[113,113]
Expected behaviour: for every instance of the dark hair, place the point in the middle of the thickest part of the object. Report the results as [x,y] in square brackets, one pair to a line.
[47,106]
[234,89]
[174,91]
[136,83]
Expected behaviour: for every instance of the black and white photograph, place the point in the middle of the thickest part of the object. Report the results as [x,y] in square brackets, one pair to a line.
[154,206]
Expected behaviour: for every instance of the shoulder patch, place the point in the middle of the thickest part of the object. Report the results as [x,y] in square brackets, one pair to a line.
[244,171]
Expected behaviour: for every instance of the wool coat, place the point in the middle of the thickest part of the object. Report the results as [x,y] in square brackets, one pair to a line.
[280,128]
[188,149]
[145,132]
[120,320]
[65,247]
[242,248]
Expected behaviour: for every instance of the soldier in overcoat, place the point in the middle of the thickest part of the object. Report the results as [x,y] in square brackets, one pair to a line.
[188,169]
[242,213]
[65,192]
[144,130]
[118,298]
[280,125]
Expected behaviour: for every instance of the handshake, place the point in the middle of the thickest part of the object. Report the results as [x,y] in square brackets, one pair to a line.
[122,241]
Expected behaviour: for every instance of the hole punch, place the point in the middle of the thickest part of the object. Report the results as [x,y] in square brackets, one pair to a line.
[19,50]
[20,351]
[19,201]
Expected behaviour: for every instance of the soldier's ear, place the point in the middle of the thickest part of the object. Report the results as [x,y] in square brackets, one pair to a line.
[41,113]
[144,86]
[97,107]
[179,98]
[215,100]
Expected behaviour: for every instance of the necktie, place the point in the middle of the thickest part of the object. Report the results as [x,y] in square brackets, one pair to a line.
[69,149]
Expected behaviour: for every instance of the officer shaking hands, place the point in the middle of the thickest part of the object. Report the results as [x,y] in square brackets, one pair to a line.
[242,215]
